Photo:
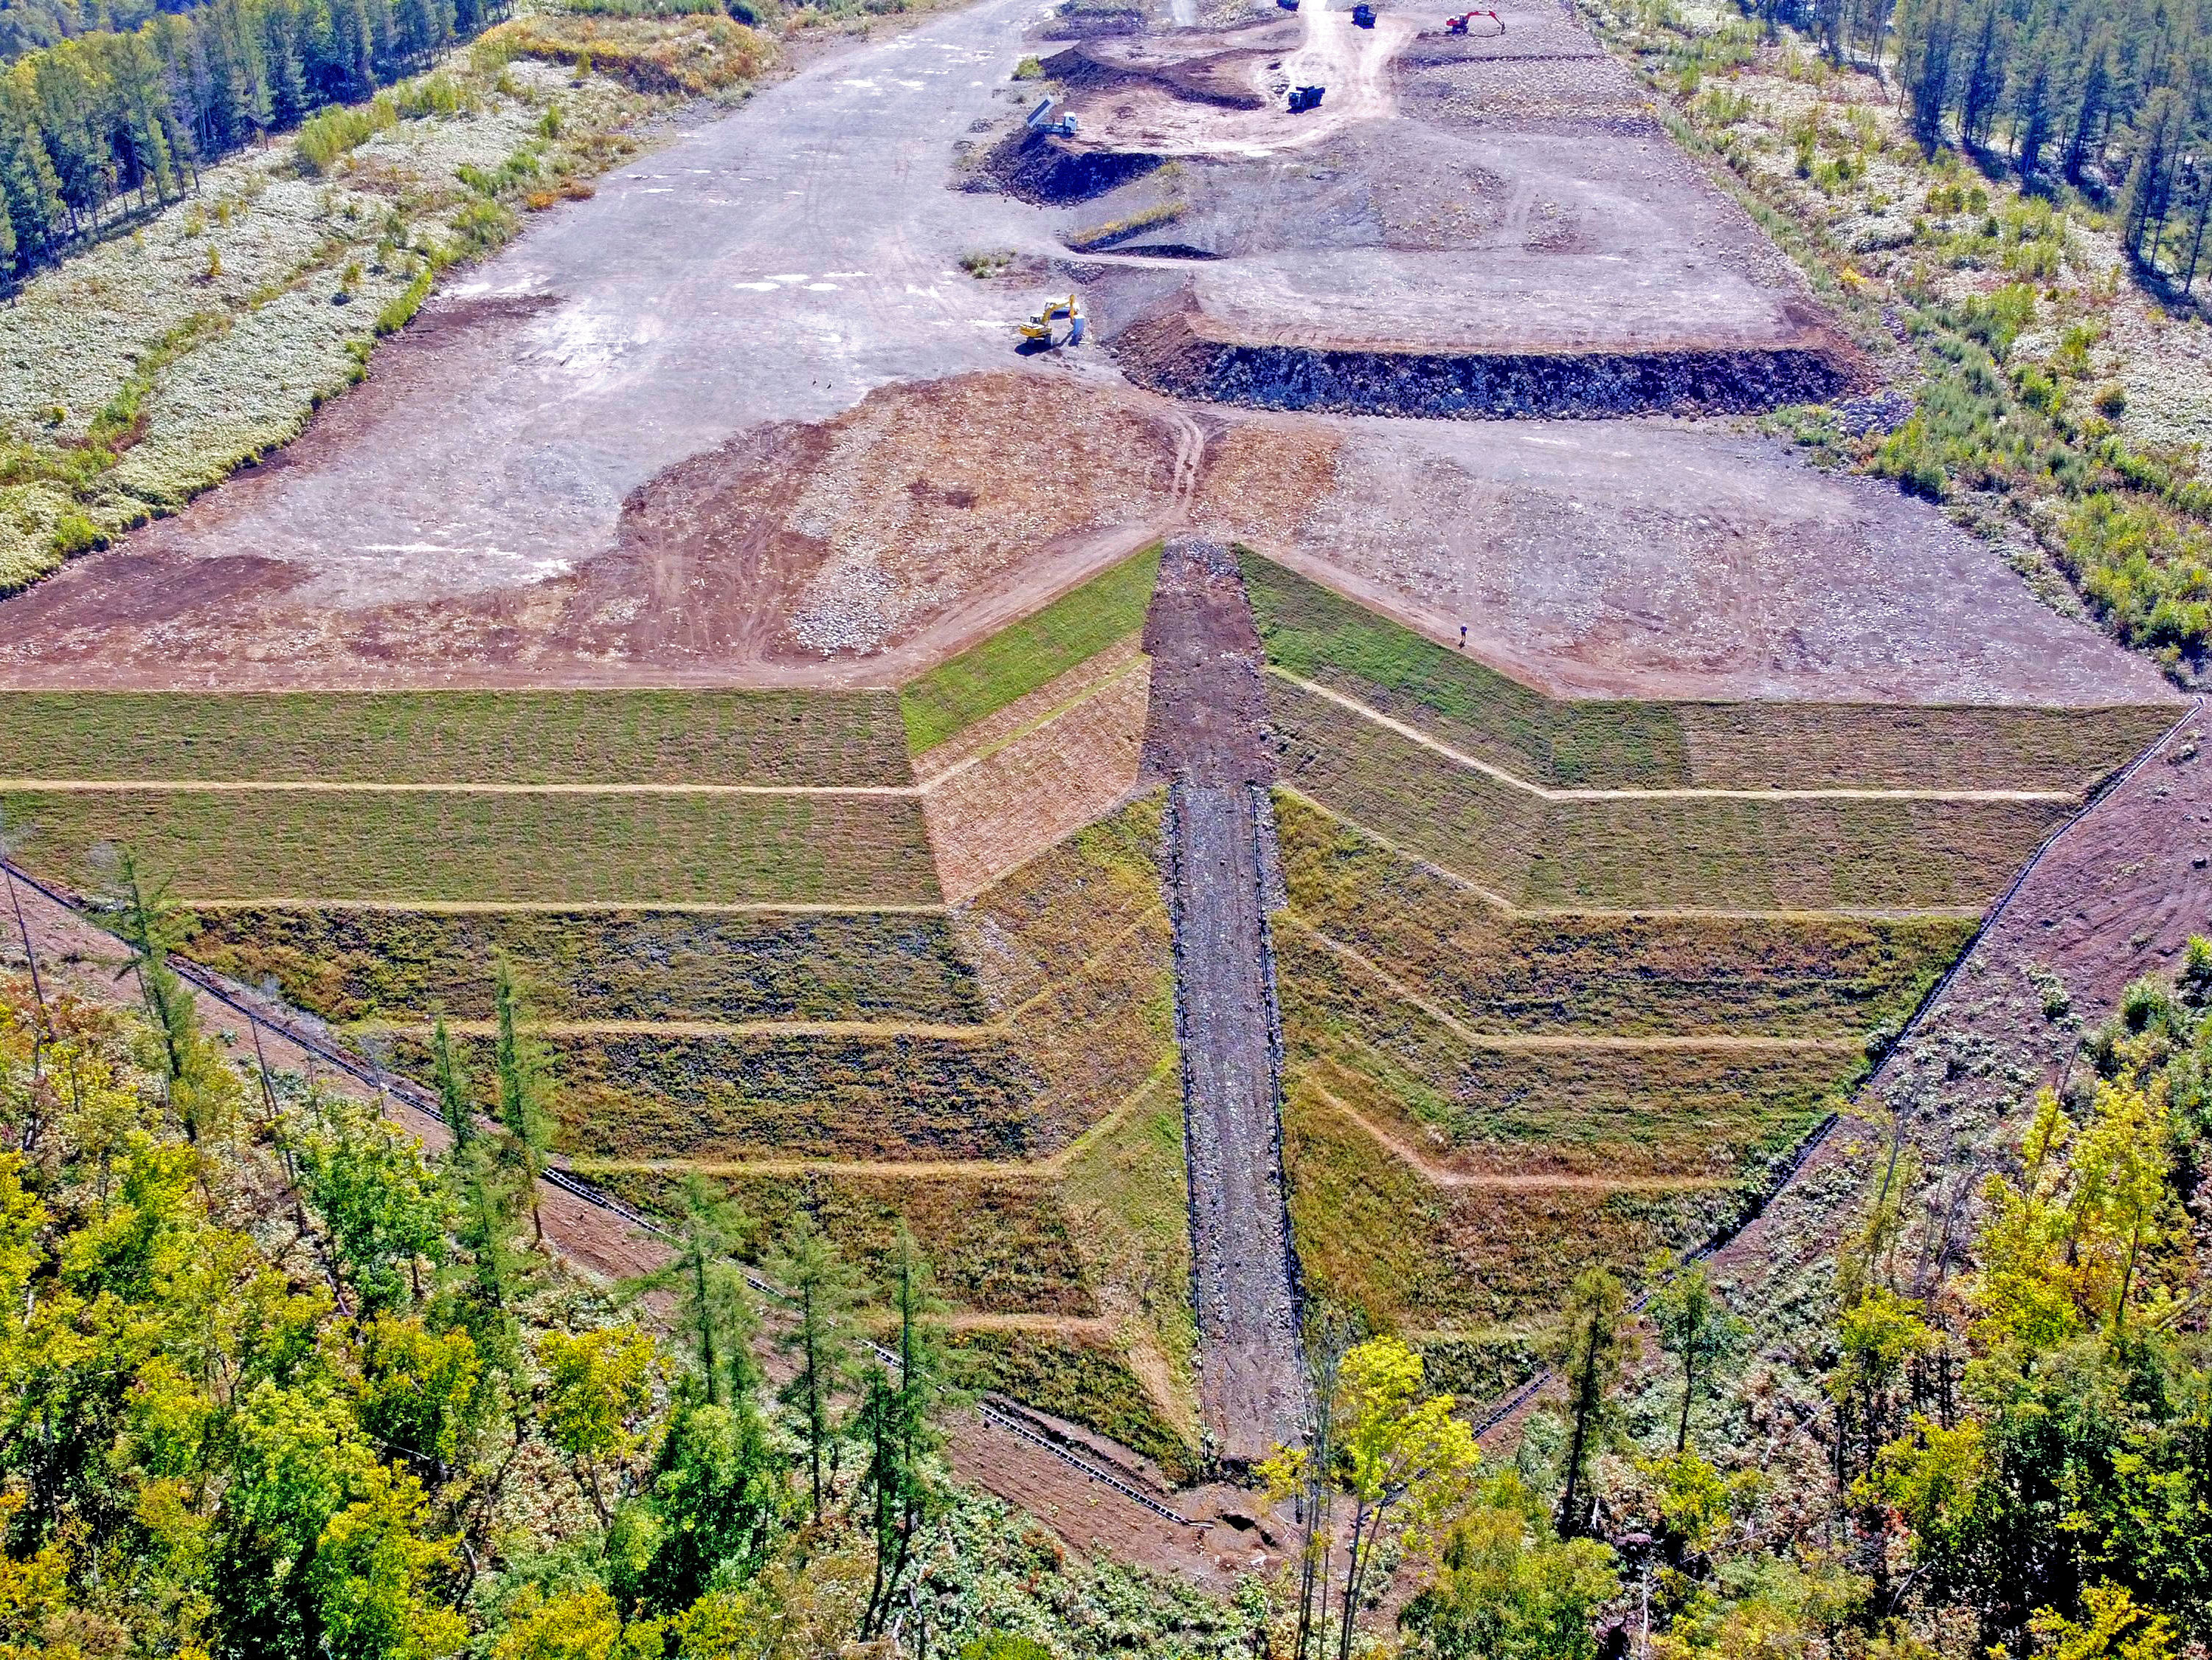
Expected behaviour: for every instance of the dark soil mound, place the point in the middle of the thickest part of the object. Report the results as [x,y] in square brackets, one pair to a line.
[1219,79]
[1089,23]
[1038,169]
[1163,352]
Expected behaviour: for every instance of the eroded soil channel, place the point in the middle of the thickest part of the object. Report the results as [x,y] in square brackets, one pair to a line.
[1206,735]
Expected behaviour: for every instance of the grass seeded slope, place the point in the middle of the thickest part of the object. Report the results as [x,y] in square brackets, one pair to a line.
[539,827]
[1590,1027]
[1073,1074]
[1653,851]
[788,737]
[1319,636]
[450,847]
[1494,971]
[1033,651]
[402,967]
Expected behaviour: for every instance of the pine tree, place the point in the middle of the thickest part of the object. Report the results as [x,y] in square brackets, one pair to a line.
[2149,197]
[1589,1354]
[821,1288]
[714,1310]
[896,1423]
[522,1109]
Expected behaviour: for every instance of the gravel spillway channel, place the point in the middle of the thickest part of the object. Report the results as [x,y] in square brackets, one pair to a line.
[1206,735]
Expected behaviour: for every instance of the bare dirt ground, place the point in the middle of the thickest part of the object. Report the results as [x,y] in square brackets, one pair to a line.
[1208,737]
[770,266]
[1230,101]
[1662,558]
[862,548]
[664,426]
[1511,195]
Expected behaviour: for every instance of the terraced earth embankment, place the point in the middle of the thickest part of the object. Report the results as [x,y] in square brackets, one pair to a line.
[1562,981]
[1574,933]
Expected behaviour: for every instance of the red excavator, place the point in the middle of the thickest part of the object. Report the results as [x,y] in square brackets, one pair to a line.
[1458,25]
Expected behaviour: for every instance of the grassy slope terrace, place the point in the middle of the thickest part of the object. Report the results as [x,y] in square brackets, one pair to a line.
[1040,1165]
[427,798]
[1529,1029]
[1318,636]
[1028,654]
[1013,1055]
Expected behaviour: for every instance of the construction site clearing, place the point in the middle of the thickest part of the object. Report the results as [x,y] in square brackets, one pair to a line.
[1085,746]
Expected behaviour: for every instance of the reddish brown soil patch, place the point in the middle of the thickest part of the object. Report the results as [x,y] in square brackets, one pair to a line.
[926,515]
[1208,716]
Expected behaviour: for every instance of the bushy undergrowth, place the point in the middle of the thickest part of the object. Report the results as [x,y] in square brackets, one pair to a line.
[687,53]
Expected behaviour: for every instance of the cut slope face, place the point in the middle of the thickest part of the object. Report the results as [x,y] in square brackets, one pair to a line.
[1206,735]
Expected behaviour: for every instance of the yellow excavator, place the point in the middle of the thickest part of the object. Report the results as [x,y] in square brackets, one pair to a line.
[1037,332]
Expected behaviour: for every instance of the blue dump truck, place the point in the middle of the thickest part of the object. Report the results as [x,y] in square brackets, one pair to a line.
[1363,17]
[1305,97]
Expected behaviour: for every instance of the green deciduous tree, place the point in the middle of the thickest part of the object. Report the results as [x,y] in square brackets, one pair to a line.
[1508,1587]
[1693,1324]
[598,1393]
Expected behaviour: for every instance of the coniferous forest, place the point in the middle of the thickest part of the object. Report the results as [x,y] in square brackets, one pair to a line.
[111,120]
[2112,98]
